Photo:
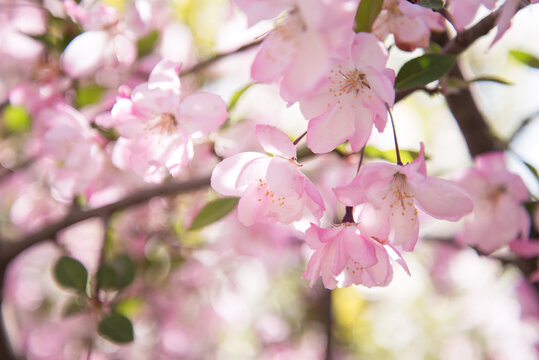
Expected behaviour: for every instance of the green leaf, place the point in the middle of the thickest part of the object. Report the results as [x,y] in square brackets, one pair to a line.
[214,211]
[124,270]
[15,119]
[423,69]
[532,169]
[108,133]
[146,44]
[366,13]
[236,96]
[390,155]
[70,273]
[491,78]
[525,58]
[88,95]
[106,277]
[117,274]
[130,306]
[430,4]
[117,328]
[531,205]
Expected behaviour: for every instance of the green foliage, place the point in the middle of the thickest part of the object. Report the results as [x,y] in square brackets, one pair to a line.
[88,95]
[366,14]
[110,134]
[117,274]
[491,78]
[390,155]
[213,211]
[423,69]
[146,44]
[525,58]
[60,32]
[430,4]
[236,96]
[71,274]
[130,307]
[117,328]
[15,119]
[532,169]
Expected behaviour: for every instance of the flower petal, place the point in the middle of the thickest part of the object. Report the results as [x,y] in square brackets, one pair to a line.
[249,206]
[275,142]
[308,67]
[329,130]
[226,173]
[443,199]
[84,54]
[359,248]
[202,113]
[284,178]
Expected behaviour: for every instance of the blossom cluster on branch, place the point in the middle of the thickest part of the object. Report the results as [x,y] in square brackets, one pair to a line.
[102,103]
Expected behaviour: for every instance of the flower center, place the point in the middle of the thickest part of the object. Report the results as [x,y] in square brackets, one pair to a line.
[264,192]
[349,82]
[289,28]
[165,124]
[401,198]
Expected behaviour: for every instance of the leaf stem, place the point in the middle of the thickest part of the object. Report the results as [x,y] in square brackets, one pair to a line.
[399,161]
[299,138]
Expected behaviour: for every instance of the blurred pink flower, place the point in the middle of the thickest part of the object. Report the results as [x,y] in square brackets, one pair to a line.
[463,11]
[157,126]
[410,23]
[498,217]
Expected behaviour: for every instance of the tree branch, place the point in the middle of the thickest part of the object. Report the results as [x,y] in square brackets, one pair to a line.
[9,250]
[464,39]
[471,122]
[201,65]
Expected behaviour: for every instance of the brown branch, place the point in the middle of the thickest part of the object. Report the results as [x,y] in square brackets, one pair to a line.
[5,172]
[201,65]
[6,350]
[459,43]
[327,318]
[467,37]
[471,122]
[9,250]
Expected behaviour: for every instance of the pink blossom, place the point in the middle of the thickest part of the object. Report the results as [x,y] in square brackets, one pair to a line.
[106,41]
[272,189]
[463,11]
[297,50]
[16,45]
[352,98]
[257,10]
[410,23]
[342,249]
[498,216]
[157,126]
[392,194]
[503,21]
[67,144]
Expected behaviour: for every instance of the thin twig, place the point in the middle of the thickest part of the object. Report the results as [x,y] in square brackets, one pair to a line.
[201,65]
[299,138]
[8,171]
[397,151]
